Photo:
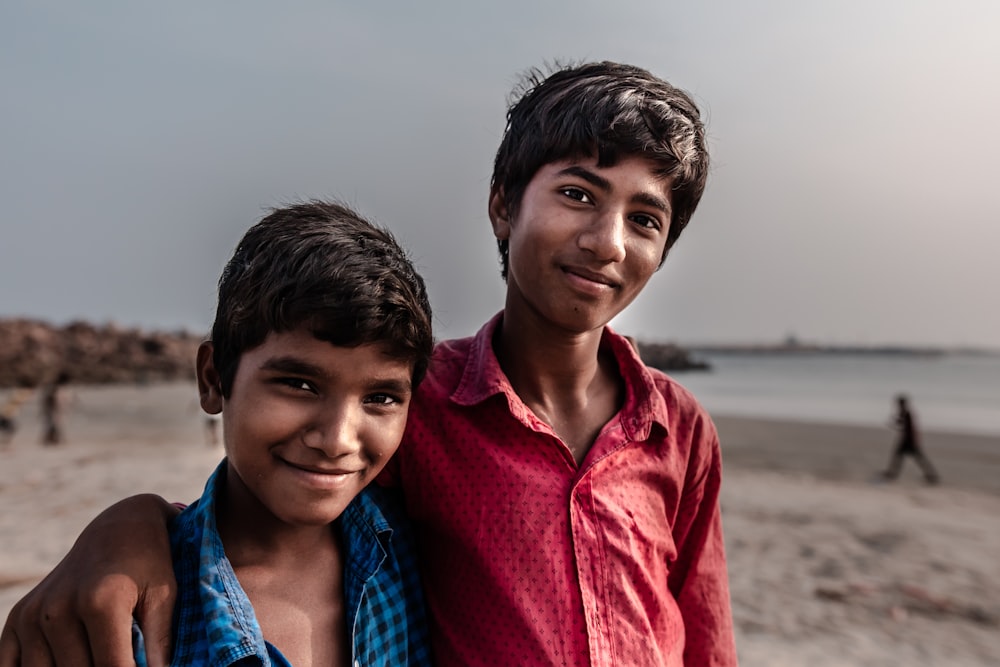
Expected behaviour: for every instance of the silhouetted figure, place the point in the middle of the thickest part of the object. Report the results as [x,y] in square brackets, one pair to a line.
[908,445]
[8,412]
[53,400]
[212,429]
[7,428]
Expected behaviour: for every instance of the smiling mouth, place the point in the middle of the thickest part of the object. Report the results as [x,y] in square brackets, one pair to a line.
[316,470]
[590,276]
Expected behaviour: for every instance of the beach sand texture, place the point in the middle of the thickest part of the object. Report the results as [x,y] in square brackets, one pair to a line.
[828,567]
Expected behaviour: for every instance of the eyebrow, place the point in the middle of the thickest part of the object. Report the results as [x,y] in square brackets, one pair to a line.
[296,366]
[604,184]
[393,386]
[292,365]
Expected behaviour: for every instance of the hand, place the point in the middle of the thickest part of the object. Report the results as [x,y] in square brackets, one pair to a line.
[81,613]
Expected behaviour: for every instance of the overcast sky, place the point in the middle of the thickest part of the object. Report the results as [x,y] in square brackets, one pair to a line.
[853,196]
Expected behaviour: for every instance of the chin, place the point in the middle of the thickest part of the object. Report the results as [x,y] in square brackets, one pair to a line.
[580,324]
[313,516]
[313,520]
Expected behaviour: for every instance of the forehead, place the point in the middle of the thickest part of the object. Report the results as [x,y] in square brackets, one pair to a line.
[300,350]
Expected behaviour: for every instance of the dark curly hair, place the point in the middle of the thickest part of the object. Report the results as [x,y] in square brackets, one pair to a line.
[320,265]
[609,111]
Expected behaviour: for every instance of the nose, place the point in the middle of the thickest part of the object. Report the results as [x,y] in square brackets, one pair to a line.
[604,238]
[334,430]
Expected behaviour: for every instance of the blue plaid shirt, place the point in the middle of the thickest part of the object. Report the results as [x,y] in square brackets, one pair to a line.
[215,623]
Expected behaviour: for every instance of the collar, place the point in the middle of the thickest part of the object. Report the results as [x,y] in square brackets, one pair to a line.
[232,625]
[483,378]
[365,529]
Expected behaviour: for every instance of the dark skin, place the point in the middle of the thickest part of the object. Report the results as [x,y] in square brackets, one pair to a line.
[584,242]
[289,601]
[45,628]
[576,400]
[328,414]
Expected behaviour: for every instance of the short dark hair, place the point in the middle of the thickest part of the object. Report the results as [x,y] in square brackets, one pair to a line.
[320,265]
[609,111]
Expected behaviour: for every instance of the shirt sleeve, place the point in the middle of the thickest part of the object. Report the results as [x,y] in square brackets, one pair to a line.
[699,580]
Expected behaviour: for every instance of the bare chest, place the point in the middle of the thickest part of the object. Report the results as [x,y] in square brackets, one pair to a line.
[578,429]
[305,619]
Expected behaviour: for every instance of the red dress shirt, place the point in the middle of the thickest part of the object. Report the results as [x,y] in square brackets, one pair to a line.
[529,559]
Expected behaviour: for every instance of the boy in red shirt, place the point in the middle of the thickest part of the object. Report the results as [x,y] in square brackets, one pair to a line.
[565,496]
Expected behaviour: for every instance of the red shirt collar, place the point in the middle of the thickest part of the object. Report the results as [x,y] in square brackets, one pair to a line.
[483,378]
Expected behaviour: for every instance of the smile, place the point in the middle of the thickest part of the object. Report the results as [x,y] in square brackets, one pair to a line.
[321,477]
[590,280]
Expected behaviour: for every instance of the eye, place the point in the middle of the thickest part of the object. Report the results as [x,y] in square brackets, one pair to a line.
[577,194]
[297,384]
[646,221]
[382,399]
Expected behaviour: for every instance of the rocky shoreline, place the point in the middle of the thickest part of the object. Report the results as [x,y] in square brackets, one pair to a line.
[32,352]
[669,357]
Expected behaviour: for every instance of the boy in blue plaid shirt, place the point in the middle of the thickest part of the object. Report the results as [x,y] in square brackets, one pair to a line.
[322,332]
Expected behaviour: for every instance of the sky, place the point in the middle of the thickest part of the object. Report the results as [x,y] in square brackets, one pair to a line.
[852,197]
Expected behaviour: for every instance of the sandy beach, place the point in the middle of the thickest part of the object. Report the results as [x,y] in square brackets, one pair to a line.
[828,566]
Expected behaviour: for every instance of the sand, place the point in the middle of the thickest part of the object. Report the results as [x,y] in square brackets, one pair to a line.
[828,566]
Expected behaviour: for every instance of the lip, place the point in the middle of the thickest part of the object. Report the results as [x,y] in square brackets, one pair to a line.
[582,275]
[321,470]
[321,475]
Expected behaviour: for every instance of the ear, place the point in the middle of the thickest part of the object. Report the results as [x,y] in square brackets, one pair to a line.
[499,214]
[209,383]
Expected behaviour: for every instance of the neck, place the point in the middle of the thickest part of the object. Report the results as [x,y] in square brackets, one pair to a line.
[300,610]
[251,534]
[536,356]
[563,377]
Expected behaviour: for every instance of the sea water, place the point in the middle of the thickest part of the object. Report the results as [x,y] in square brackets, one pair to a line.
[950,392]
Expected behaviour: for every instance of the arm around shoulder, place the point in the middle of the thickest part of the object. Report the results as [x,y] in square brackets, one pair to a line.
[81,613]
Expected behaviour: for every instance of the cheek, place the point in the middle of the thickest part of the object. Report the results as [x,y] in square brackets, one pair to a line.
[382,440]
[532,253]
[645,260]
[264,423]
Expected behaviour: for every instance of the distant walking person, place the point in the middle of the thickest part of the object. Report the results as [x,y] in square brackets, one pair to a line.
[8,413]
[908,444]
[53,400]
[212,423]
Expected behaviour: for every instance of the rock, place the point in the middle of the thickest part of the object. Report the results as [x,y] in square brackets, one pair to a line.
[669,357]
[32,352]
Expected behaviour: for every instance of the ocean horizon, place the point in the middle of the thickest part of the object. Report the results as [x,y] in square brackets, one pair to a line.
[951,392]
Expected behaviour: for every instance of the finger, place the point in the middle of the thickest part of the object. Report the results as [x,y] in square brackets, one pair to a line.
[155,613]
[111,645]
[48,631]
[34,651]
[22,641]
[67,642]
[107,619]
[10,647]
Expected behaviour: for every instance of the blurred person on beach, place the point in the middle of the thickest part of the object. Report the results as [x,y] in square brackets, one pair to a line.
[565,496]
[908,444]
[8,414]
[54,398]
[211,424]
